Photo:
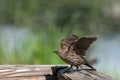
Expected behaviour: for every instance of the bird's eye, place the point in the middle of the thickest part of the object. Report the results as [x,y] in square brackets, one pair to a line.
[63,46]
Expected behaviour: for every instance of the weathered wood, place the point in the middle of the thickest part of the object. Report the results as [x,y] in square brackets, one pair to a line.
[81,74]
[30,78]
[28,72]
[47,72]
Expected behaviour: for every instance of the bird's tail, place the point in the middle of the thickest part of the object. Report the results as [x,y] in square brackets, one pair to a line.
[87,64]
[90,66]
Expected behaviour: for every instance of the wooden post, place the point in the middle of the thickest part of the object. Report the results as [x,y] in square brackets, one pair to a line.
[47,72]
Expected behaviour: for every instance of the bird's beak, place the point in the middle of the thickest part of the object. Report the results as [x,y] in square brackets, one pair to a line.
[55,51]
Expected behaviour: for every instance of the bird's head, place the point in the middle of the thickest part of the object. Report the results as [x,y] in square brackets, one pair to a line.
[60,52]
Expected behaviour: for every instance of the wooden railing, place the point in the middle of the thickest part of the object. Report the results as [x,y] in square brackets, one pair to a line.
[48,72]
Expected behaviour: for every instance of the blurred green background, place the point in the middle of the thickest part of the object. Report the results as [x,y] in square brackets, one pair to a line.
[30,30]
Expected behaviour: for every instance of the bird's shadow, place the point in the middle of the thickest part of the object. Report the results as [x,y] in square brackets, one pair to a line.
[71,70]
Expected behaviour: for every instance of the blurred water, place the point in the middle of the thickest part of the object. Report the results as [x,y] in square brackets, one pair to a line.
[12,37]
[108,53]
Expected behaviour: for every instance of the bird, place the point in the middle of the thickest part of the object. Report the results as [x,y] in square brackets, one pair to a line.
[73,50]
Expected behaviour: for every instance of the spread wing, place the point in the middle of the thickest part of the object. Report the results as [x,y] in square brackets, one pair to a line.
[83,44]
[66,42]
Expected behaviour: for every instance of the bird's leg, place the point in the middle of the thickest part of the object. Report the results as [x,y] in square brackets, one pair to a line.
[77,67]
[71,66]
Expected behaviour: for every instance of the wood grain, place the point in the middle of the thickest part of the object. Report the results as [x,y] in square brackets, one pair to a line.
[47,72]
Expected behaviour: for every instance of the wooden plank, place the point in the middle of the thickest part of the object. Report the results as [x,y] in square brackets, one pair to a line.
[28,72]
[48,72]
[81,74]
[29,78]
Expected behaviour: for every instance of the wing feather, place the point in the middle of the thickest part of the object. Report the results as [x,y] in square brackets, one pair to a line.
[82,44]
[66,42]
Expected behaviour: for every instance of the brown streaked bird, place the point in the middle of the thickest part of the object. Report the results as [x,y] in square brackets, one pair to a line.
[73,50]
